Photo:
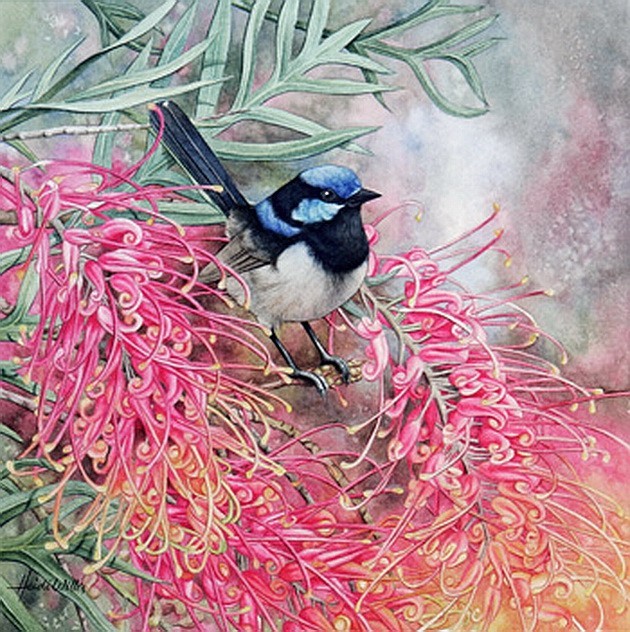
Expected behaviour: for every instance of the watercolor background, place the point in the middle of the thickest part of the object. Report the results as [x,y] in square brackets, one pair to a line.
[553,150]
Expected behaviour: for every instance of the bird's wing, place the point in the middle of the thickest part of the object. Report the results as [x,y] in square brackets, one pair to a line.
[194,155]
[239,256]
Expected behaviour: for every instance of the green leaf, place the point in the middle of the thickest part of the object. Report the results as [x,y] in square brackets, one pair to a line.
[291,121]
[309,58]
[316,25]
[24,149]
[127,100]
[284,37]
[458,36]
[176,41]
[142,77]
[104,144]
[356,61]
[438,98]
[15,611]
[13,95]
[192,213]
[289,150]
[469,72]
[432,10]
[107,12]
[16,504]
[479,47]
[26,464]
[45,81]
[49,569]
[248,58]
[143,27]
[28,291]
[335,87]
[10,434]
[12,258]
[215,59]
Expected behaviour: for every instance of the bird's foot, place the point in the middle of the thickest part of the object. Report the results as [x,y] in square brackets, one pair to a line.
[308,376]
[338,363]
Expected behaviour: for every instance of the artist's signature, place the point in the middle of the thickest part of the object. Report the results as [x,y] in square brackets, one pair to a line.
[60,585]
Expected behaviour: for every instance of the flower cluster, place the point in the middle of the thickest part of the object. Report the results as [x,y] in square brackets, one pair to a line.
[462,507]
[497,523]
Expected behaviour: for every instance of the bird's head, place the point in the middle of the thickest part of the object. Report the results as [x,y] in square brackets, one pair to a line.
[314,196]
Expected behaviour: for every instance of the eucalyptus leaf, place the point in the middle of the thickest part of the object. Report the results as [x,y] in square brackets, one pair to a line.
[215,59]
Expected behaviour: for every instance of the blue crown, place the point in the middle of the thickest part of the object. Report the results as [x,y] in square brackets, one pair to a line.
[343,181]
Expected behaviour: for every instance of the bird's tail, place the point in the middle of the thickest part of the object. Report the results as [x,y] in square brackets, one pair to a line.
[194,155]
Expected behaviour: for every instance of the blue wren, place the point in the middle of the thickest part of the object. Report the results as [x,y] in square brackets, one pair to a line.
[302,251]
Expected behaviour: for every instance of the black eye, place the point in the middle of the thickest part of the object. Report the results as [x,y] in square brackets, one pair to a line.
[328,195]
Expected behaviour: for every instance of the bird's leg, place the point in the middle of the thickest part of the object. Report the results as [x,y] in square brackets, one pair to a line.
[317,380]
[326,358]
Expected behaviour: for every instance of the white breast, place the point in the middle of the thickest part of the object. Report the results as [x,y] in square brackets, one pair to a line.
[296,289]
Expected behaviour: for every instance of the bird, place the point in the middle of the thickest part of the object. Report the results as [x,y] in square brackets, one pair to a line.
[302,251]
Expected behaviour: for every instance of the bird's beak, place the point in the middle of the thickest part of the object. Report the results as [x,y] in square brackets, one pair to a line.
[361,196]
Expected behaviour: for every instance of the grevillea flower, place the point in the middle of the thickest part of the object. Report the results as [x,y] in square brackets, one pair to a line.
[449,498]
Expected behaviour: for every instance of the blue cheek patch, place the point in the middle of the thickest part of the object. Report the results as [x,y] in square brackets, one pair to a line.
[311,211]
[343,181]
[272,222]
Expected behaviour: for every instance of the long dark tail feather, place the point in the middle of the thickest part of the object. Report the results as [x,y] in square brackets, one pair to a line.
[194,155]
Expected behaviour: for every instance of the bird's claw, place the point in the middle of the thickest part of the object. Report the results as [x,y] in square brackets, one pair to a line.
[340,364]
[316,380]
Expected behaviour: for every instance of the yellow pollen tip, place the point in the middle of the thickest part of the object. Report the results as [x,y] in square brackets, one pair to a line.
[549,292]
[525,280]
[508,262]
[496,207]
[419,216]
[498,232]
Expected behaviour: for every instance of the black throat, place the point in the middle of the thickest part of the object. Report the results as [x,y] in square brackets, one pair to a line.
[339,245]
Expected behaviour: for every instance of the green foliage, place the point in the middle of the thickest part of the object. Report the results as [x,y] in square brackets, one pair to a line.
[150,76]
[31,549]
